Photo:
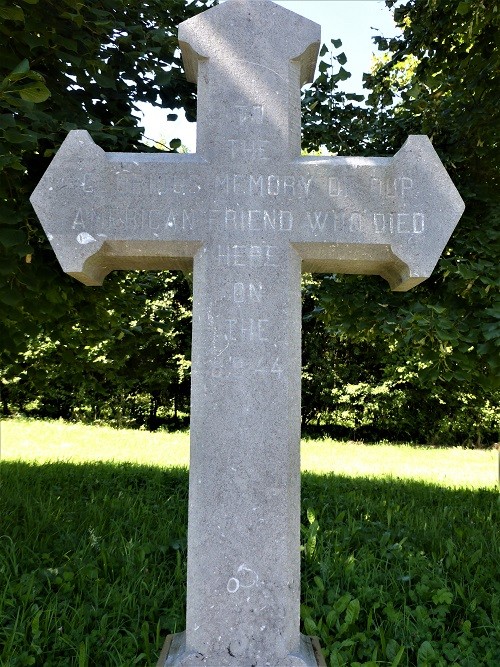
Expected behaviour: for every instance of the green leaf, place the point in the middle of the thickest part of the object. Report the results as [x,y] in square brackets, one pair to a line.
[105,81]
[15,136]
[415,90]
[310,626]
[342,603]
[343,74]
[442,596]
[352,612]
[337,43]
[394,652]
[7,120]
[342,58]
[12,77]
[426,654]
[11,237]
[35,623]
[336,659]
[332,617]
[324,50]
[305,611]
[35,92]
[319,583]
[12,13]
[82,655]
[353,96]
[163,78]
[10,298]
[22,68]
[175,144]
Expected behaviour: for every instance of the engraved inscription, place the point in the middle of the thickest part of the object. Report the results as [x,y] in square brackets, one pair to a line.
[275,368]
[380,187]
[152,219]
[388,187]
[249,150]
[180,219]
[317,219]
[325,220]
[250,330]
[250,114]
[263,185]
[247,293]
[86,184]
[156,184]
[387,223]
[401,223]
[334,189]
[253,220]
[79,220]
[243,366]
[254,256]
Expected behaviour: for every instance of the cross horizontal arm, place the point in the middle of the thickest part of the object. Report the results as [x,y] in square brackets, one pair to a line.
[385,216]
[106,211]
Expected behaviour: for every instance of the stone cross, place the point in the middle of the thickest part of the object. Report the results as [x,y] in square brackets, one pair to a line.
[247,214]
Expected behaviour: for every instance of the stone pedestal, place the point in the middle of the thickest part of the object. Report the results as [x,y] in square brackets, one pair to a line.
[174,653]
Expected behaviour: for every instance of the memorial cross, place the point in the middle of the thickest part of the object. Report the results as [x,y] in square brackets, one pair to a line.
[247,214]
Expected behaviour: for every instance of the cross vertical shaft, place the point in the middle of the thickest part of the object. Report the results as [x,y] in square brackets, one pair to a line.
[243,546]
[257,95]
[245,425]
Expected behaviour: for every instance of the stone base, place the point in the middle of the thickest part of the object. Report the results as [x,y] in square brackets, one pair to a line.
[174,654]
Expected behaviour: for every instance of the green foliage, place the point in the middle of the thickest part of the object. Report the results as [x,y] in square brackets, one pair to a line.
[120,357]
[365,377]
[400,573]
[92,563]
[330,117]
[440,78]
[93,568]
[67,65]
[452,95]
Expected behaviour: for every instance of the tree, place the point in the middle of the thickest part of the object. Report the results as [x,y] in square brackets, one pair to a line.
[67,65]
[122,359]
[452,95]
[440,78]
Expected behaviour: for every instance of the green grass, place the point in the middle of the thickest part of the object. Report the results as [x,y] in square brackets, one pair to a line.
[41,442]
[44,441]
[93,555]
[454,467]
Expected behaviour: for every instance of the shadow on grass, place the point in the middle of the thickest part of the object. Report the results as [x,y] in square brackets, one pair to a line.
[93,567]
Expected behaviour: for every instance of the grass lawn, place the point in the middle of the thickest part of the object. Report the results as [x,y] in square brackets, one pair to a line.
[57,441]
[400,549]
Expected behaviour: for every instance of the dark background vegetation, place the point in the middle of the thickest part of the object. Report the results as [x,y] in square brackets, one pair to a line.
[419,366]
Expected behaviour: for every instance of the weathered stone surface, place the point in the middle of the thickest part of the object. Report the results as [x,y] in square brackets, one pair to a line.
[247,213]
